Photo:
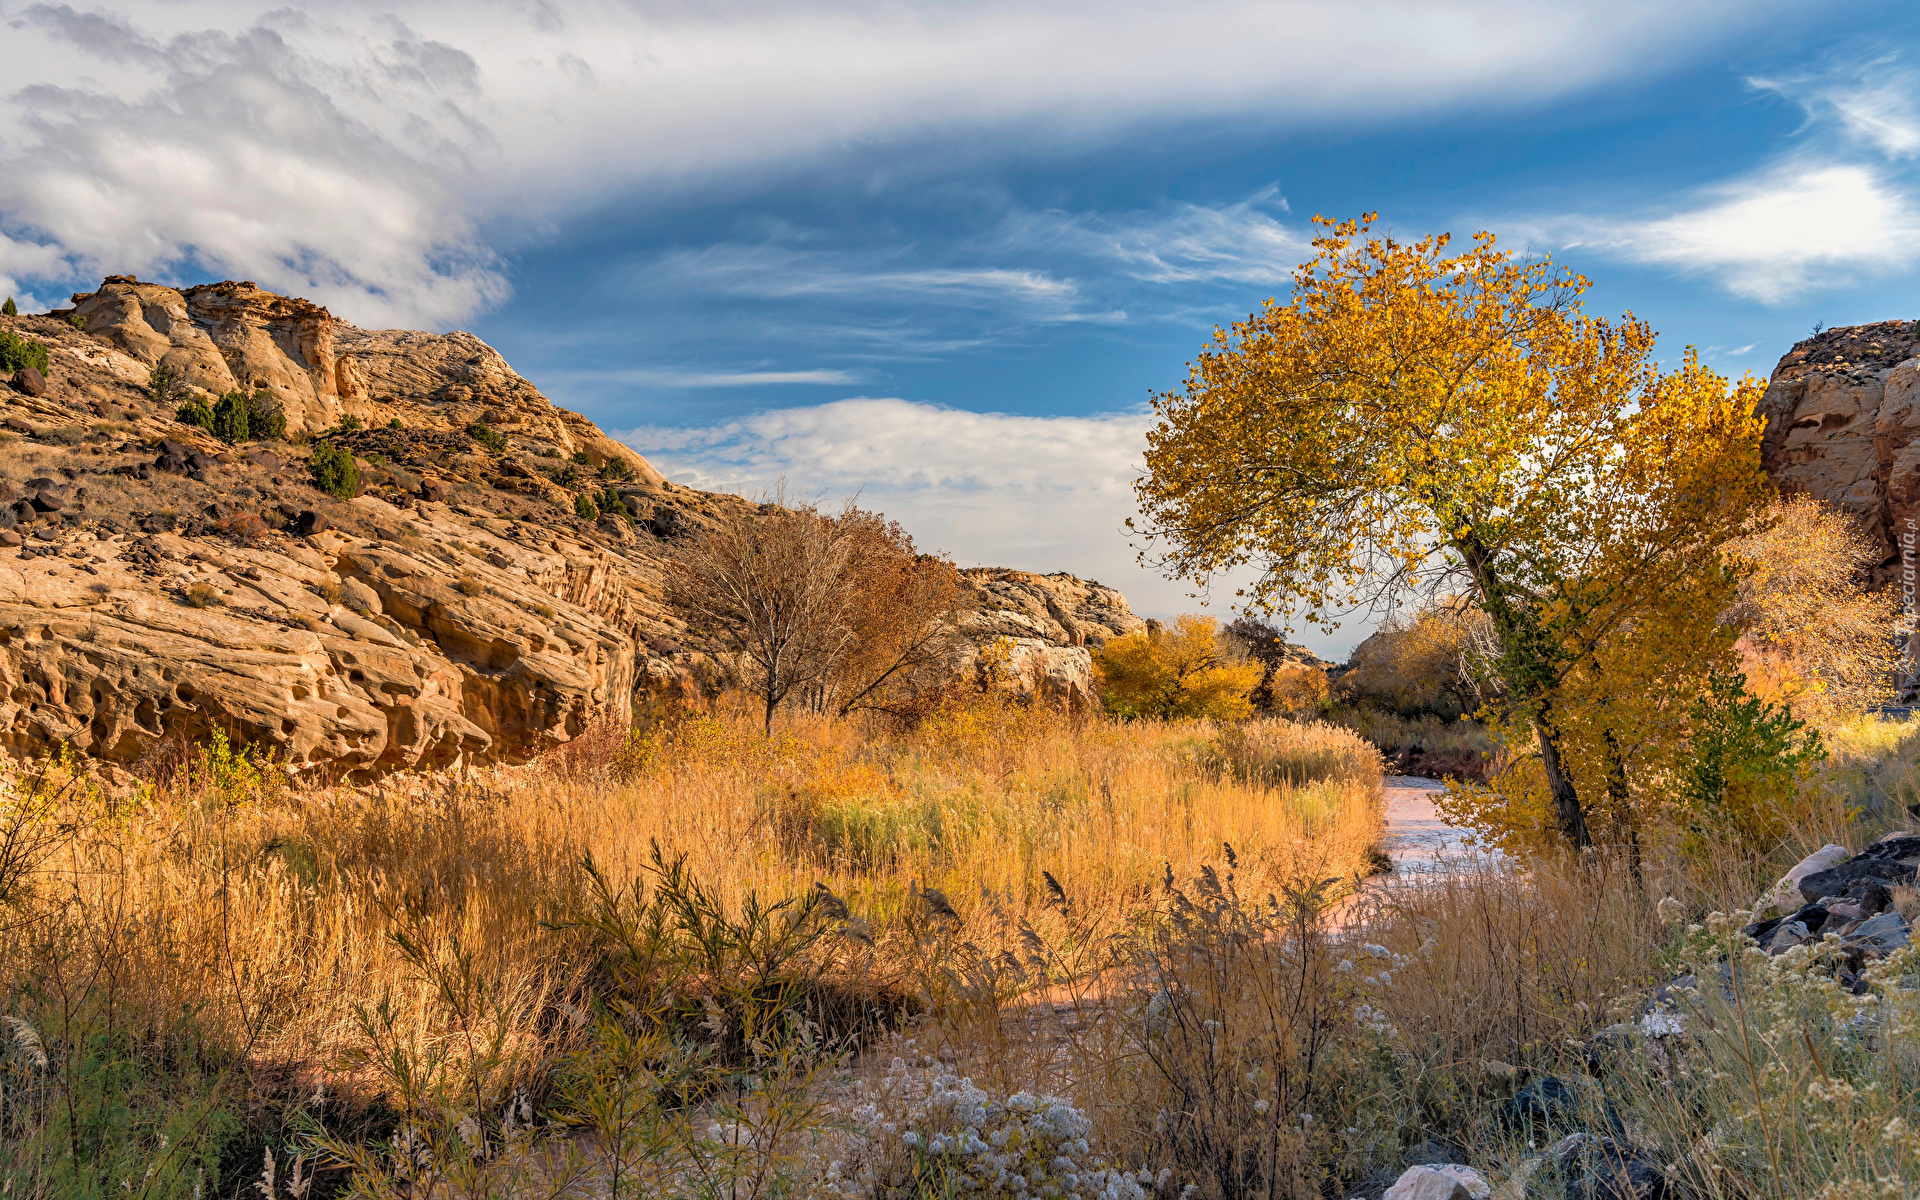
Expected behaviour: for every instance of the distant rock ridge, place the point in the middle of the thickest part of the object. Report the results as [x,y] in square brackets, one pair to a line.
[477,601]
[1843,423]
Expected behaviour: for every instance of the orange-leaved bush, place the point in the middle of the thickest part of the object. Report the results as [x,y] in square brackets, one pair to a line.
[1186,671]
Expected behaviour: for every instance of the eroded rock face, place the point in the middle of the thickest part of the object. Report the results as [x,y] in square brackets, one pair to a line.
[157,584]
[1843,416]
[223,337]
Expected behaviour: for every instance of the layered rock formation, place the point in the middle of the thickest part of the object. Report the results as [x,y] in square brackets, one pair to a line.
[156,584]
[1843,420]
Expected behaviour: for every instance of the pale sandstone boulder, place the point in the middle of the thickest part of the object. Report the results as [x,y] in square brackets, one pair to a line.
[1843,416]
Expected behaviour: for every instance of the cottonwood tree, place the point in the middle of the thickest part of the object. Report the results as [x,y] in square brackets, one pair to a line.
[771,583]
[1415,420]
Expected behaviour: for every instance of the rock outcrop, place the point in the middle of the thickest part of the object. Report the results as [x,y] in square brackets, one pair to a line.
[467,605]
[1843,425]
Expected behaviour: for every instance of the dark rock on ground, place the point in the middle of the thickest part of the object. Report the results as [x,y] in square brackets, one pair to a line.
[30,382]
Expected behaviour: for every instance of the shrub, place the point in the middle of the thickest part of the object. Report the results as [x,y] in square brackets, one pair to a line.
[395,423]
[350,422]
[334,471]
[204,595]
[486,436]
[266,420]
[10,308]
[245,527]
[1298,691]
[1749,760]
[617,468]
[230,418]
[330,590]
[165,387]
[1815,637]
[77,321]
[1420,664]
[585,508]
[195,412]
[1190,671]
[467,585]
[580,458]
[546,452]
[610,502]
[17,352]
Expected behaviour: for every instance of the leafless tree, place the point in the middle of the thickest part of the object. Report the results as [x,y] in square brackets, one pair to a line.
[771,584]
[837,608]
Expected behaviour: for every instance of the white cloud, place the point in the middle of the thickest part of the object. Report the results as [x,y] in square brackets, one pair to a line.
[342,153]
[664,377]
[1876,104]
[1805,225]
[1036,493]
[1184,243]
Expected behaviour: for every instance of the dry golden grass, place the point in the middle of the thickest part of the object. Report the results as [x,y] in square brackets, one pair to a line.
[285,920]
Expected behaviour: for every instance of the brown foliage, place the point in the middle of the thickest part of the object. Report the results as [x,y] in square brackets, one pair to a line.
[1815,638]
[903,611]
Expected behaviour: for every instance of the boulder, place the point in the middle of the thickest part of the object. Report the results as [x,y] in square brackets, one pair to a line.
[1836,881]
[30,382]
[1445,1181]
[1880,935]
[1842,414]
[1787,890]
[1597,1168]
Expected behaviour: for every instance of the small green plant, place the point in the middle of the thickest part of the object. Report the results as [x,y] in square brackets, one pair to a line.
[351,422]
[585,508]
[230,418]
[77,321]
[547,452]
[617,469]
[395,423]
[610,502]
[580,457]
[1749,760]
[266,420]
[166,387]
[567,476]
[487,436]
[17,352]
[334,471]
[195,412]
[9,309]
[467,585]
[377,459]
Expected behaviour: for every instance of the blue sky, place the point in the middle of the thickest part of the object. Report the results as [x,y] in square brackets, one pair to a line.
[941,254]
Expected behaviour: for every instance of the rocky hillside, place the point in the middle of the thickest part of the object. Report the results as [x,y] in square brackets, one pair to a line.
[479,600]
[1843,424]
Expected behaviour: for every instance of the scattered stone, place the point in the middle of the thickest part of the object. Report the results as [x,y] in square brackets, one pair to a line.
[29,381]
[1881,935]
[180,458]
[9,537]
[308,523]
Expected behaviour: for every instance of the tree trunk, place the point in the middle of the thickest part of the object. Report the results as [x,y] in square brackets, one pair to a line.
[1566,802]
[1618,793]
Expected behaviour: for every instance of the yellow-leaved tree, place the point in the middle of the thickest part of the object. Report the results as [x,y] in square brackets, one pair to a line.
[1186,671]
[1416,420]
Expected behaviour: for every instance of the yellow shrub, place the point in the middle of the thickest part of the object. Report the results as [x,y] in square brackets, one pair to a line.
[1182,672]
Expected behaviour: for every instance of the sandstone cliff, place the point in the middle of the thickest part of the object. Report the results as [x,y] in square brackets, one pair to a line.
[157,584]
[1843,425]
